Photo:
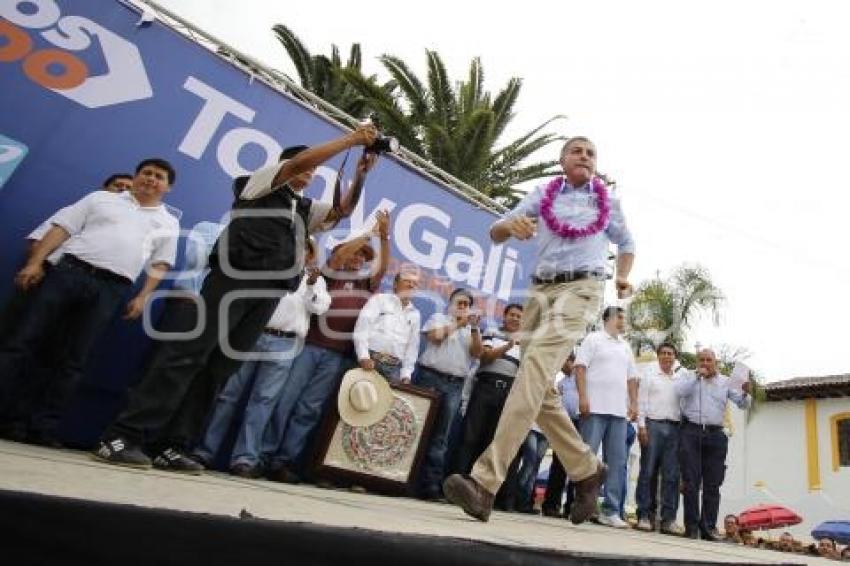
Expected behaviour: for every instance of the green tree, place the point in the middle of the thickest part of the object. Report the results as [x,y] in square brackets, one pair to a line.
[322,75]
[664,309]
[458,125]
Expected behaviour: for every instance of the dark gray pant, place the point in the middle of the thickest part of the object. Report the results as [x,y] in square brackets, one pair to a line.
[171,402]
[702,460]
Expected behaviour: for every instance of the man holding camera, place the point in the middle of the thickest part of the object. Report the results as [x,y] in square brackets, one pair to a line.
[257,259]
[579,221]
[702,442]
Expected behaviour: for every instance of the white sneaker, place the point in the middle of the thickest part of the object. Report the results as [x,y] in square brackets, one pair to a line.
[644,525]
[612,521]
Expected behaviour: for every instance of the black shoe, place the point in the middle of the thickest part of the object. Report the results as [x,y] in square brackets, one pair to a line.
[711,536]
[432,494]
[172,460]
[247,471]
[283,474]
[551,512]
[691,533]
[43,439]
[121,453]
[14,432]
[202,460]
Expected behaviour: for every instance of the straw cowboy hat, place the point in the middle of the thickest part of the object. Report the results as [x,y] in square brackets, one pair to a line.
[364,397]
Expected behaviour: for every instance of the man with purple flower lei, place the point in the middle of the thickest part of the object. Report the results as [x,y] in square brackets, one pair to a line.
[579,220]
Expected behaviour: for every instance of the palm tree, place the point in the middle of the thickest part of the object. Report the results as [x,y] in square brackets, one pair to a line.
[664,310]
[457,126]
[322,75]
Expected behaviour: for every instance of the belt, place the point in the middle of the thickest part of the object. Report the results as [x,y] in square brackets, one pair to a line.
[99,272]
[665,421]
[384,358]
[566,277]
[704,427]
[497,381]
[443,374]
[280,333]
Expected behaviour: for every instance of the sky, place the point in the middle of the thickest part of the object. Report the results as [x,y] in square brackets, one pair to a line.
[724,124]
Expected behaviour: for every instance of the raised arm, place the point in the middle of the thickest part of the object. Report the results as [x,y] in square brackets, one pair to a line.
[684,384]
[311,158]
[382,230]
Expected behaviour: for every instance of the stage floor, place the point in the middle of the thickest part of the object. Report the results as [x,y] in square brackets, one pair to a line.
[74,474]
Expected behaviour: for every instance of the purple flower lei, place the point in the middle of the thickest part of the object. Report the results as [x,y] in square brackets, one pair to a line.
[563,229]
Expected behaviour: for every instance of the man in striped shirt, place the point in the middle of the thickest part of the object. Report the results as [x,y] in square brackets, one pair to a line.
[499,364]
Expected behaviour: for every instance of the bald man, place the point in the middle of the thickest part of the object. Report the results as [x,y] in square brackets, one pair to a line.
[703,395]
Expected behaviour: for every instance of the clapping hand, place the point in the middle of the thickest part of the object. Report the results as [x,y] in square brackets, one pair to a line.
[382,225]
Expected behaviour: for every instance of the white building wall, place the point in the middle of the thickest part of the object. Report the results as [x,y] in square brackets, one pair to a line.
[836,484]
[767,463]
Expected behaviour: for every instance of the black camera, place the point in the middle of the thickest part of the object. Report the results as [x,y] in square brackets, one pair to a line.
[382,143]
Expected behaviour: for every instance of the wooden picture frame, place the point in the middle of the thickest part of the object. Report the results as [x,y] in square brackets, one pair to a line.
[386,457]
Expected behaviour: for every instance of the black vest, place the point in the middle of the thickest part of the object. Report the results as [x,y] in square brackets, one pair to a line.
[267,234]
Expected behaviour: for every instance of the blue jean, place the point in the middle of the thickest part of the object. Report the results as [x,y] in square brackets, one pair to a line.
[433,469]
[391,372]
[662,452]
[268,378]
[533,450]
[85,302]
[608,431]
[312,380]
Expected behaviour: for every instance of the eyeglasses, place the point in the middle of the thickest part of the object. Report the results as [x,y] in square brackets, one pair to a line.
[462,303]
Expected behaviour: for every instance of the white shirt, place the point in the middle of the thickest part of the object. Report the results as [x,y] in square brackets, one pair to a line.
[260,184]
[39,233]
[294,309]
[657,397]
[452,354]
[385,326]
[610,364]
[113,231]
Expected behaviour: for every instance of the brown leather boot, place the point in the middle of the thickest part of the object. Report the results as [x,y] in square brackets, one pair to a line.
[471,497]
[587,493]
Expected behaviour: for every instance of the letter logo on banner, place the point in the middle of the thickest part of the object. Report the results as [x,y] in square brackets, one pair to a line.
[63,72]
[11,154]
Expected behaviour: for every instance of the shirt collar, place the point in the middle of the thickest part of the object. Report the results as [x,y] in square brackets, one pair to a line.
[660,371]
[567,187]
[132,198]
[397,301]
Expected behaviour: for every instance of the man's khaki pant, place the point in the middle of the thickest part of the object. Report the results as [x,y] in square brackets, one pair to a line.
[555,318]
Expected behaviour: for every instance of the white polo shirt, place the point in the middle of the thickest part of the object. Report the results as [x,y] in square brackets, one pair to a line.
[39,233]
[452,354]
[112,231]
[384,325]
[294,309]
[610,364]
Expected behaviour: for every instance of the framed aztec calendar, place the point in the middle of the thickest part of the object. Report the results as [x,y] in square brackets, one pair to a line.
[385,456]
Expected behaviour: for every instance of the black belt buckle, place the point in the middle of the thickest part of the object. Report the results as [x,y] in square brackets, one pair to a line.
[279,333]
[566,277]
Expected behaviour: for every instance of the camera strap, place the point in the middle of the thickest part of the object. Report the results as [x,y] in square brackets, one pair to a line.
[337,198]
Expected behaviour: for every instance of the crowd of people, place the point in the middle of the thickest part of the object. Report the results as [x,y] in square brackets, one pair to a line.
[253,285]
[824,547]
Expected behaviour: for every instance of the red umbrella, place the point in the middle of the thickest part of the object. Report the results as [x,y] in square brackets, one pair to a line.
[763,517]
